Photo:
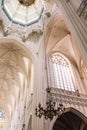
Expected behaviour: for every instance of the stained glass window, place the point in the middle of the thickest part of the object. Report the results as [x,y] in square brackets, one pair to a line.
[2,118]
[61,73]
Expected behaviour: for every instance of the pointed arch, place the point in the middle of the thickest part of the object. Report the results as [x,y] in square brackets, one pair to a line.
[78,113]
[71,119]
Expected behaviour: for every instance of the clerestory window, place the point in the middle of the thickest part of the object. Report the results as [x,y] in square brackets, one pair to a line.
[61,75]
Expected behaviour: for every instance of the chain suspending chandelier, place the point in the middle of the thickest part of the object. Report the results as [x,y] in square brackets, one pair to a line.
[51,110]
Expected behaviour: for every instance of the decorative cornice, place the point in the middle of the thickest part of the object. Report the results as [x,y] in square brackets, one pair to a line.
[69,97]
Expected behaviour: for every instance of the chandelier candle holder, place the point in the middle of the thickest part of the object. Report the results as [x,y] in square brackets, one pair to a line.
[51,108]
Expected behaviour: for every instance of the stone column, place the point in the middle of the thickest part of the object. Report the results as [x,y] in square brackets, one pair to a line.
[37,123]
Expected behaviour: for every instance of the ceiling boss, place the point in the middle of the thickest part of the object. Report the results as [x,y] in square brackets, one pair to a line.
[27,2]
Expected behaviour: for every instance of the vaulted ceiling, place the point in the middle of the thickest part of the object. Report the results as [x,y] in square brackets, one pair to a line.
[14,65]
[14,60]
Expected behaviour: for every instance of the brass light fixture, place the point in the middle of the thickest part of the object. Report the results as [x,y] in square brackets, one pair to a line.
[51,110]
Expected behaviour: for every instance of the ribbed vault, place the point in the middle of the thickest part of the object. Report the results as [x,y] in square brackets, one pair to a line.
[14,66]
[57,30]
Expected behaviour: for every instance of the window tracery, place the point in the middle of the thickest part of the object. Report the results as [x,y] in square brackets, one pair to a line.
[61,73]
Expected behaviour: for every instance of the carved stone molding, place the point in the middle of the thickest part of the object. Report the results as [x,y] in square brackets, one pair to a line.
[69,97]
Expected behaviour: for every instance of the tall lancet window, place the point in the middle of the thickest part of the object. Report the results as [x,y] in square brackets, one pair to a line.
[61,75]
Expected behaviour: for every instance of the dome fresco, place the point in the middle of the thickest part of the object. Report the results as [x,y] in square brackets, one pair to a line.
[26,2]
[23,12]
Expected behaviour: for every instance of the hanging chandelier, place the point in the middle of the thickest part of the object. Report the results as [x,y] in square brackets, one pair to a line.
[51,110]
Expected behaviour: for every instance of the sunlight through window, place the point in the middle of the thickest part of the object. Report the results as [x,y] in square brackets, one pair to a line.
[62,76]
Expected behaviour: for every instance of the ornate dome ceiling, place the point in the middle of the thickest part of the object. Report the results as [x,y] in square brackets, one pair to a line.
[23,12]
